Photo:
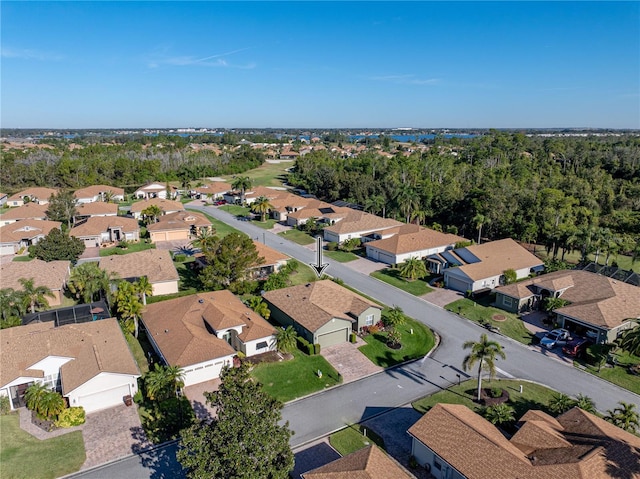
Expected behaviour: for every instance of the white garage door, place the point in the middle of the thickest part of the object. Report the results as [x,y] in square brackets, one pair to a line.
[457,284]
[104,399]
[200,374]
[334,337]
[7,249]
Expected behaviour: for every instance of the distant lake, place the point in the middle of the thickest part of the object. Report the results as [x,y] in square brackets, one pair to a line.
[411,138]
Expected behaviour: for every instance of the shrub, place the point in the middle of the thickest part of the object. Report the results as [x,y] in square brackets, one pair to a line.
[138,397]
[70,417]
[124,244]
[303,344]
[364,330]
[374,329]
[5,406]
[179,258]
[316,348]
[311,349]
[352,337]
[332,246]
[496,392]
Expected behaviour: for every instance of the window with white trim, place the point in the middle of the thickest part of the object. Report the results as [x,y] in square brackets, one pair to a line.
[507,301]
[369,320]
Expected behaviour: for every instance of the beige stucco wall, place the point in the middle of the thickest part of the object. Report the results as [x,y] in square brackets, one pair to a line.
[166,287]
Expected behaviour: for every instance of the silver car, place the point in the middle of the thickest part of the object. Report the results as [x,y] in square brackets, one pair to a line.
[557,337]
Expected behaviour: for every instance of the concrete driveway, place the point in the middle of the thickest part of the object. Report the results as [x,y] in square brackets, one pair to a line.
[349,362]
[441,297]
[195,394]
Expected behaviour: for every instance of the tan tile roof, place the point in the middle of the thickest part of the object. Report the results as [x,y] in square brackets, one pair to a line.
[359,221]
[270,255]
[367,463]
[95,190]
[578,446]
[595,299]
[40,193]
[179,326]
[422,239]
[315,304]
[180,220]
[97,208]
[321,209]
[270,193]
[164,205]
[96,225]
[28,211]
[213,188]
[496,257]
[97,346]
[26,229]
[155,264]
[289,202]
[53,274]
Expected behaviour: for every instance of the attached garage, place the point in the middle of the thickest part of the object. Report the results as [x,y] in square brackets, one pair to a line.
[456,284]
[199,373]
[104,399]
[335,337]
[7,249]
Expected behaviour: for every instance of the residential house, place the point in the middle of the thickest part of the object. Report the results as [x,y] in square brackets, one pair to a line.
[481,267]
[214,190]
[155,264]
[52,274]
[181,225]
[89,363]
[37,194]
[166,206]
[94,193]
[357,224]
[106,230]
[322,312]
[202,333]
[599,307]
[453,442]
[322,211]
[286,204]
[155,190]
[273,260]
[253,194]
[367,463]
[97,208]
[396,245]
[24,233]
[30,211]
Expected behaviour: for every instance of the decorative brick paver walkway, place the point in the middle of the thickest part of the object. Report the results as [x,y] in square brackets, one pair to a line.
[349,362]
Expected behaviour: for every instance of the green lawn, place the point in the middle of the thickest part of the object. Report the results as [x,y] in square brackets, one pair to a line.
[618,374]
[222,229]
[133,248]
[138,352]
[267,224]
[512,326]
[297,236]
[341,256]
[22,258]
[392,276]
[305,274]
[624,262]
[24,456]
[267,174]
[298,377]
[534,396]
[236,210]
[351,439]
[414,345]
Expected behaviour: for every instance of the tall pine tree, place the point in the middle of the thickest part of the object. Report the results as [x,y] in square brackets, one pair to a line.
[244,440]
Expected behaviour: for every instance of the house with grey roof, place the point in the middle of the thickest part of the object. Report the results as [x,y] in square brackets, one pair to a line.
[322,312]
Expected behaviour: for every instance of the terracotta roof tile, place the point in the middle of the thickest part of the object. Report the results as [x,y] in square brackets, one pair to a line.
[164,205]
[97,208]
[28,211]
[359,221]
[26,229]
[94,190]
[213,188]
[496,257]
[180,220]
[367,463]
[39,193]
[270,255]
[417,240]
[96,225]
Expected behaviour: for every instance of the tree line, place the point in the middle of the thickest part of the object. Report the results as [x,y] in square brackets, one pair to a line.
[568,193]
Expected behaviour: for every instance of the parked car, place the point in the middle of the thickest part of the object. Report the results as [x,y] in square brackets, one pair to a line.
[220,202]
[557,337]
[576,347]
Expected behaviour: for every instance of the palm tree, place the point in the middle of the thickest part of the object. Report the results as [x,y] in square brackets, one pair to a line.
[413,268]
[87,280]
[625,416]
[560,403]
[163,382]
[144,288]
[479,220]
[499,414]
[128,305]
[151,214]
[205,239]
[286,339]
[261,206]
[51,404]
[242,183]
[585,403]
[395,317]
[259,306]
[108,196]
[34,296]
[374,204]
[630,341]
[483,352]
[34,394]
[11,307]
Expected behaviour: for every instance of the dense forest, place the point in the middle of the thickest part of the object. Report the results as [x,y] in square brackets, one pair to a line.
[570,193]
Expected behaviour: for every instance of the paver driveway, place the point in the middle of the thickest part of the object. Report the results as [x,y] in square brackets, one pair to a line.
[349,362]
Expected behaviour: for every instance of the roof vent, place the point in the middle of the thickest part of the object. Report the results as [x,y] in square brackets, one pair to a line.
[307,285]
[166,330]
[201,301]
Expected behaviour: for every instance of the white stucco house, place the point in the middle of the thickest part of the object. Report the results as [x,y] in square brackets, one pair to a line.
[94,193]
[202,333]
[155,190]
[90,364]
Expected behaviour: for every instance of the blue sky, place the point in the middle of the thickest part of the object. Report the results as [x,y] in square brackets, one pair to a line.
[320,64]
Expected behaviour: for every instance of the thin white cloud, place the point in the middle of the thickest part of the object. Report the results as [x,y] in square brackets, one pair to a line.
[406,79]
[216,60]
[29,54]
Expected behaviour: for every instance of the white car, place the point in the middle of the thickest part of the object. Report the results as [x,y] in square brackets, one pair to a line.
[557,337]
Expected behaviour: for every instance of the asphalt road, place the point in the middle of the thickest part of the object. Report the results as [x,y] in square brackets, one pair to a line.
[320,414]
